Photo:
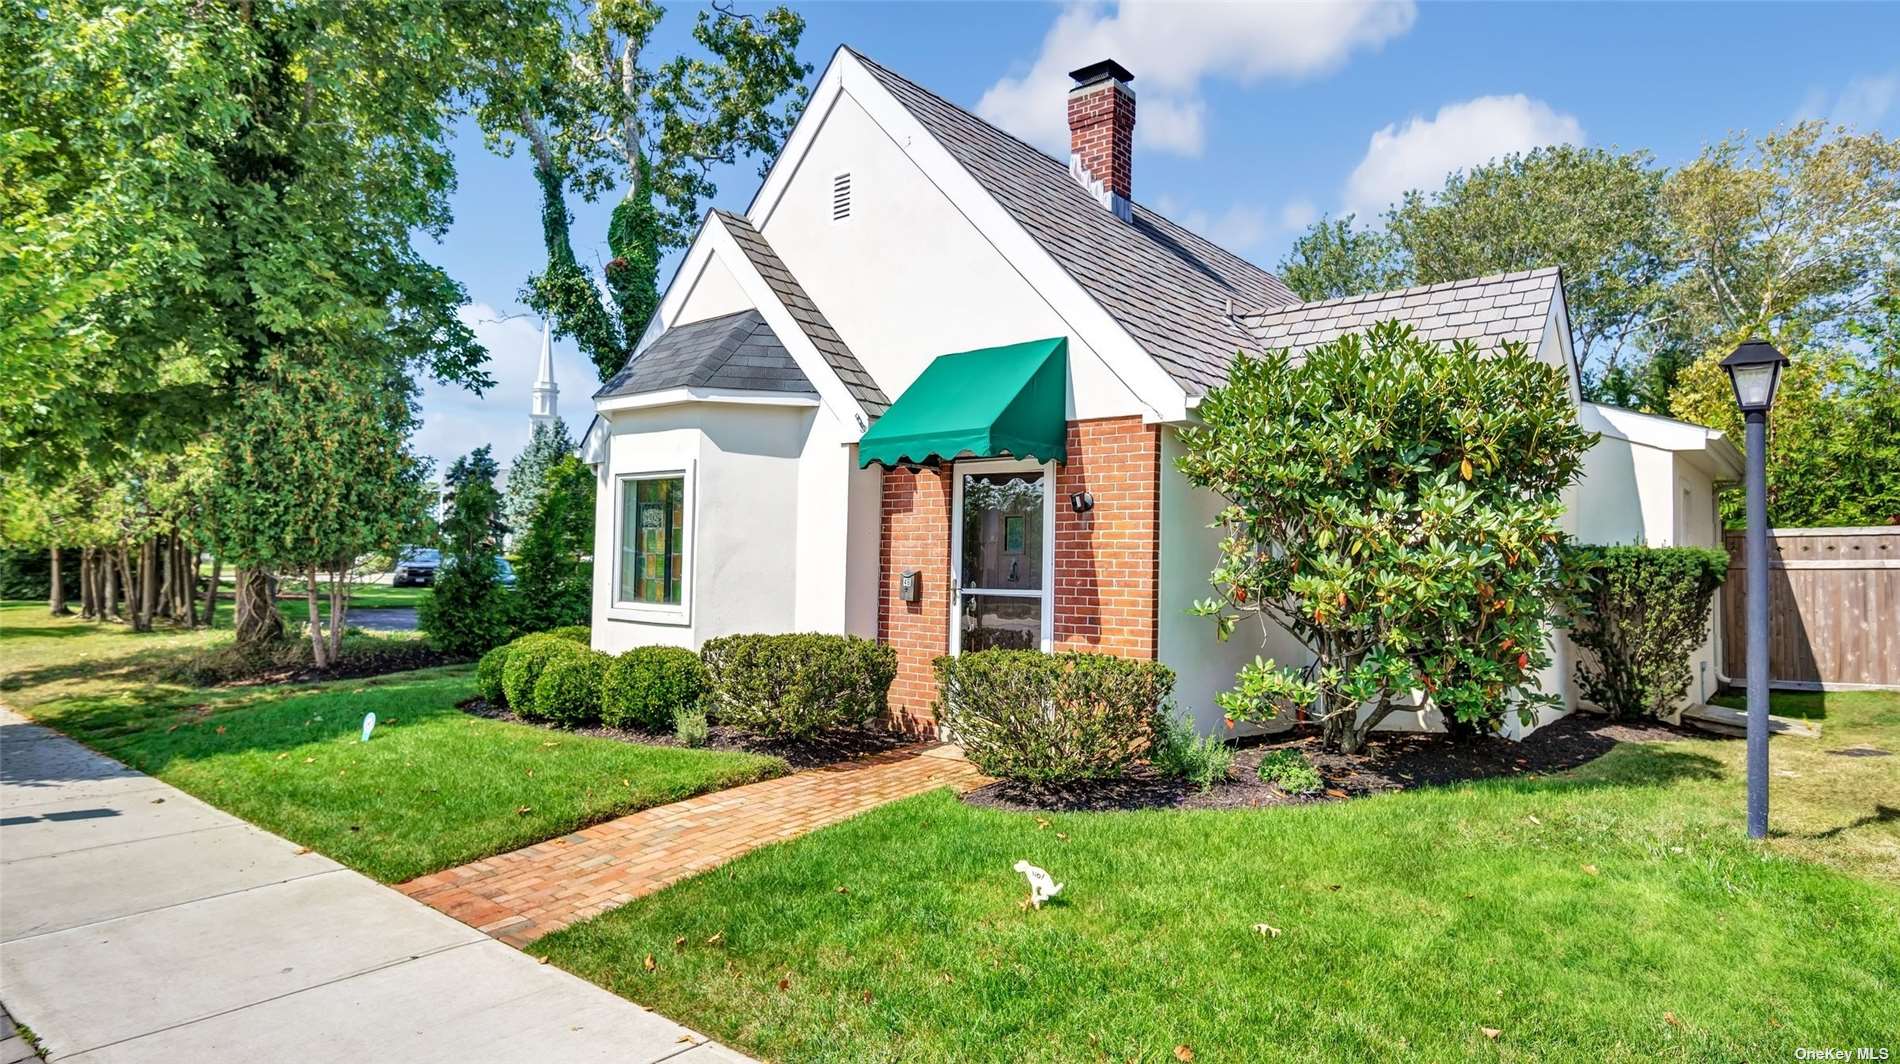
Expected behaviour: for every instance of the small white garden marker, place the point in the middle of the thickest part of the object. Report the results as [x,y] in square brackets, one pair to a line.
[1042,886]
[369,725]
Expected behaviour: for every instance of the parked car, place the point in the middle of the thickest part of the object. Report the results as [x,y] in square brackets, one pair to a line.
[416,567]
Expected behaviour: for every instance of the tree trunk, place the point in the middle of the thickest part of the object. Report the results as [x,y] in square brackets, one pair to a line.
[211,591]
[57,602]
[258,621]
[148,584]
[318,648]
[339,611]
[166,571]
[88,600]
[108,585]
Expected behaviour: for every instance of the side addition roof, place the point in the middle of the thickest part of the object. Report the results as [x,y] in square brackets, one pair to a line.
[810,319]
[1490,310]
[1169,288]
[737,351]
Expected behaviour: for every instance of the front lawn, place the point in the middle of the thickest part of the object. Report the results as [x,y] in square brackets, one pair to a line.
[1610,913]
[435,787]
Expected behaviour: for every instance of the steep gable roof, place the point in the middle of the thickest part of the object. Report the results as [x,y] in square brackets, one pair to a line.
[1173,291]
[1490,310]
[737,351]
[810,319]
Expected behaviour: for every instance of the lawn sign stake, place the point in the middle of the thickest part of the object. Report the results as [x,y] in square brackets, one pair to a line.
[369,725]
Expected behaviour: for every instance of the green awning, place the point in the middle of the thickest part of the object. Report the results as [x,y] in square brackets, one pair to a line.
[993,403]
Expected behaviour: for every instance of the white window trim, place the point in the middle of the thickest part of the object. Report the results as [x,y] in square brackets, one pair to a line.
[680,614]
[954,578]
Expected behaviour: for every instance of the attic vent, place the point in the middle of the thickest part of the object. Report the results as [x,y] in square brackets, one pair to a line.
[840,197]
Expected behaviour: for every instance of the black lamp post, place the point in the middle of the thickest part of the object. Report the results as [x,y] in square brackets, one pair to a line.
[1755,370]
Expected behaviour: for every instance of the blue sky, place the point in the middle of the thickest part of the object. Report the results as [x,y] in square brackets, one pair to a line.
[1251,119]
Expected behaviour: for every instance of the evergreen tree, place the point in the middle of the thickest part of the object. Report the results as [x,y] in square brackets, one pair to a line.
[468,614]
[529,472]
[556,586]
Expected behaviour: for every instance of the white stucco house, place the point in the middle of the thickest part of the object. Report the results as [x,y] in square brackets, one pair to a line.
[927,389]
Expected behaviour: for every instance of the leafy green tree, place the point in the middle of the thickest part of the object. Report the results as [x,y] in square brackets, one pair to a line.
[1333,259]
[1789,237]
[597,113]
[555,587]
[1395,506]
[468,613]
[528,473]
[329,433]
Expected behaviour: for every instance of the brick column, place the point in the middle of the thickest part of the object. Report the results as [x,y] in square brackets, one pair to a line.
[1108,560]
[916,536]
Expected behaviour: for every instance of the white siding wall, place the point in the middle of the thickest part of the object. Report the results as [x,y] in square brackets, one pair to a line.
[907,277]
[712,293]
[742,528]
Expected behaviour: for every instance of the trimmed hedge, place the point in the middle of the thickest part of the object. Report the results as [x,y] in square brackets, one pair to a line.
[488,674]
[1645,610]
[1052,718]
[568,689]
[526,658]
[796,686]
[648,686]
[579,633]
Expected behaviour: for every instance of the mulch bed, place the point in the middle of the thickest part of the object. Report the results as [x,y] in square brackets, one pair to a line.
[1391,761]
[828,749]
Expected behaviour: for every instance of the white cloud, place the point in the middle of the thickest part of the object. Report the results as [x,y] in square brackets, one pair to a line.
[1172,48]
[455,420]
[1298,214]
[1860,106]
[1423,151]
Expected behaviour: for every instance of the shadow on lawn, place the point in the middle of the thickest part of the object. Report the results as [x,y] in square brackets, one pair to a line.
[51,631]
[151,728]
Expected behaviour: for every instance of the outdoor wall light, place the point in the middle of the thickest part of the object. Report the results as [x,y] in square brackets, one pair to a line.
[1082,502]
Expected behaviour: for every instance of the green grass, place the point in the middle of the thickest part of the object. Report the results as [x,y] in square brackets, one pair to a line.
[434,788]
[1612,913]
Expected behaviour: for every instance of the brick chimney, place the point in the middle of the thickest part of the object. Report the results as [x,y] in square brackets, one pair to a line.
[1102,134]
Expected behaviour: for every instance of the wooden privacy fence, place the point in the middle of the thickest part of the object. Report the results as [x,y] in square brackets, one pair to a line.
[1833,607]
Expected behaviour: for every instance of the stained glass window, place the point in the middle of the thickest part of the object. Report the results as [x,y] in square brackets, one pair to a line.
[652,525]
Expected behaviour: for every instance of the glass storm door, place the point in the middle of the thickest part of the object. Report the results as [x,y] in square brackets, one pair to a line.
[1003,550]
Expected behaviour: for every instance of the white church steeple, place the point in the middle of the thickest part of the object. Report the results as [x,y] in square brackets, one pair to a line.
[547,394]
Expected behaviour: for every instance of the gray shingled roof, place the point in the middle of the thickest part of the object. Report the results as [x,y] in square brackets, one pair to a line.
[1169,288]
[1490,310]
[860,384]
[731,351]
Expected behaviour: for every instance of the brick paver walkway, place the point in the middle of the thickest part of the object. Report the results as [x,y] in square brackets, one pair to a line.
[518,897]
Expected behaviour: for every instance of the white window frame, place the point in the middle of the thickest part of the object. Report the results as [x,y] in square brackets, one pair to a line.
[955,575]
[680,613]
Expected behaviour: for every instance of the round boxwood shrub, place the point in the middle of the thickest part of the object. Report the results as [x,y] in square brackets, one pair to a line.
[578,633]
[647,686]
[488,674]
[526,657]
[568,689]
[1051,718]
[796,686]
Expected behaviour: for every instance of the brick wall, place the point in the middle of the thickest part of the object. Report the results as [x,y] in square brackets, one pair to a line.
[916,535]
[1102,133]
[1107,560]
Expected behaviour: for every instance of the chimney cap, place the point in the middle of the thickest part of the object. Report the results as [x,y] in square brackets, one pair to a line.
[1101,71]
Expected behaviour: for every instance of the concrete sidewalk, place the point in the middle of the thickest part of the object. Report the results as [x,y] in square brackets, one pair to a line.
[140,924]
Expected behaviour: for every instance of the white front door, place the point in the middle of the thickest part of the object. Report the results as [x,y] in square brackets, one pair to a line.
[1002,556]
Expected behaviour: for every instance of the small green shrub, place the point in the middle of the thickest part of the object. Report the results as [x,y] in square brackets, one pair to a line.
[1178,752]
[1290,771]
[488,674]
[691,728]
[526,657]
[568,689]
[647,686]
[579,633]
[796,686]
[1645,610]
[1051,718]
